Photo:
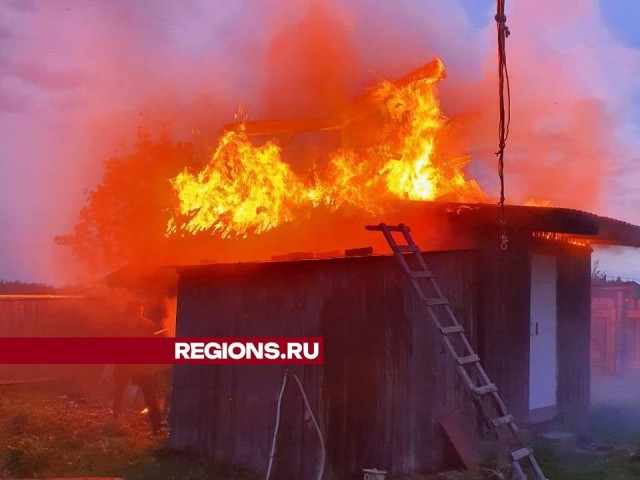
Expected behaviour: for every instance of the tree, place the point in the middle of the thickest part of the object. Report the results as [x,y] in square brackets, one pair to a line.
[598,275]
[25,288]
[125,216]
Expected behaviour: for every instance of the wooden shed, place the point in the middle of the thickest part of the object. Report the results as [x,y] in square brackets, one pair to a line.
[387,383]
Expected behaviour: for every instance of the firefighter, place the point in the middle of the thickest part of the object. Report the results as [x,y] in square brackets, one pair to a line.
[145,376]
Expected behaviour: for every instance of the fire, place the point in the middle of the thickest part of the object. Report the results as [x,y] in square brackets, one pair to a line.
[413,174]
[249,189]
[243,188]
[537,203]
[560,237]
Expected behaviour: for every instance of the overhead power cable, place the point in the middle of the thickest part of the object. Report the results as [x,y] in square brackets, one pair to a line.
[504,95]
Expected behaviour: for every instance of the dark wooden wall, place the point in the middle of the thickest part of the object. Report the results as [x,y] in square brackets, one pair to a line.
[574,326]
[504,305]
[385,383]
[574,332]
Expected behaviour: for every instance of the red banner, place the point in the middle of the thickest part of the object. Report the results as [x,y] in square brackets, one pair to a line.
[156,350]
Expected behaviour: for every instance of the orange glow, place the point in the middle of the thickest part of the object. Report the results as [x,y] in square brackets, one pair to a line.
[561,237]
[537,203]
[144,411]
[37,296]
[249,189]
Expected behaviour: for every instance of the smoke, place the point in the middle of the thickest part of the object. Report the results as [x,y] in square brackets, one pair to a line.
[311,67]
[571,84]
[79,77]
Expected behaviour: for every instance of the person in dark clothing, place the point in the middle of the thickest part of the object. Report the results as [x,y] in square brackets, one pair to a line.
[145,376]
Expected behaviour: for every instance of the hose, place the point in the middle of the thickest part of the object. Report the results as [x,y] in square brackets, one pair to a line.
[277,426]
[275,430]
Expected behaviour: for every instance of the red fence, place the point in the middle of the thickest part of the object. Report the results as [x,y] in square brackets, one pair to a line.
[48,315]
[615,328]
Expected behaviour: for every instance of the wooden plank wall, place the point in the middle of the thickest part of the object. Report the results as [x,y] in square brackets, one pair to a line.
[574,332]
[385,383]
[41,316]
[228,411]
[504,313]
[615,328]
[605,332]
[574,327]
[45,316]
[504,301]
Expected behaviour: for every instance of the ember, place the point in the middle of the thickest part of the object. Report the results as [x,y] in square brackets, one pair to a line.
[560,237]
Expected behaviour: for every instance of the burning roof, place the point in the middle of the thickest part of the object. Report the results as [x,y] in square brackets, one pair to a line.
[440,219]
[386,156]
[576,224]
[389,148]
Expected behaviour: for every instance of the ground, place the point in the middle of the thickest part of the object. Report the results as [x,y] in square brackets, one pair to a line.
[611,437]
[47,431]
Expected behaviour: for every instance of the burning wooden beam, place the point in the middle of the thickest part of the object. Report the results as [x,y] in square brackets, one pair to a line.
[361,106]
[284,126]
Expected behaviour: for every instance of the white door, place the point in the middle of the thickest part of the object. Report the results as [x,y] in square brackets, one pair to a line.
[543,365]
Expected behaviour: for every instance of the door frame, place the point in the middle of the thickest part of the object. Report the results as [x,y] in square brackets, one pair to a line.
[544,412]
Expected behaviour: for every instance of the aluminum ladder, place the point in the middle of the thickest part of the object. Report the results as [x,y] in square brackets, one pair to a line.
[483,391]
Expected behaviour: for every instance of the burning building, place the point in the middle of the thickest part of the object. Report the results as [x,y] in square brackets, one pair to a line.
[387,385]
[385,393]
[308,186]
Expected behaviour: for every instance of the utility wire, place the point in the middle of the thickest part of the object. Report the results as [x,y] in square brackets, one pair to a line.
[504,95]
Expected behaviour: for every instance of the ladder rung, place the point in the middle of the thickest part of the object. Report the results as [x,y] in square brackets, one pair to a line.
[498,422]
[398,228]
[484,389]
[408,248]
[375,228]
[432,302]
[390,228]
[520,454]
[468,359]
[421,274]
[451,329]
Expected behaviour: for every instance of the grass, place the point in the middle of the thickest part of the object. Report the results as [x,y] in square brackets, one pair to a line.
[617,426]
[606,448]
[567,465]
[45,434]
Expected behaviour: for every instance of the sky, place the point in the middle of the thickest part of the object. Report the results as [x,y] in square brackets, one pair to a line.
[78,77]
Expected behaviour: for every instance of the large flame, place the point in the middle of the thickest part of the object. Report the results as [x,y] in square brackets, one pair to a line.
[247,189]
[243,188]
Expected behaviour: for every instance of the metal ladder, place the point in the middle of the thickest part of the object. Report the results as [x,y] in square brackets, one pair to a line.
[453,334]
